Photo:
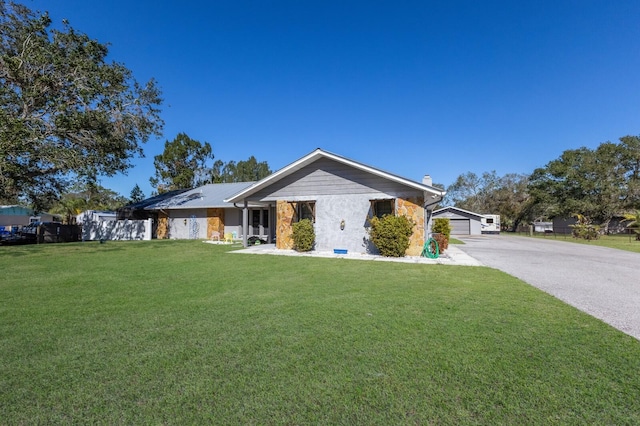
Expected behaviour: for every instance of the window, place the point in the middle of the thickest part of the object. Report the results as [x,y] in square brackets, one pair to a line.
[489,220]
[306,210]
[382,207]
[255,218]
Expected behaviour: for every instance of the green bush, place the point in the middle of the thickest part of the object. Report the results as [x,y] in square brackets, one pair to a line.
[442,226]
[391,234]
[633,222]
[304,237]
[584,229]
[441,230]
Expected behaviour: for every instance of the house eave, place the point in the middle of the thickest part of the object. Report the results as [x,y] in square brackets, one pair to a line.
[319,153]
[452,208]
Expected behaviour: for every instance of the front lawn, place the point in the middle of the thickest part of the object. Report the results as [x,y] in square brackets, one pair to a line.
[181,332]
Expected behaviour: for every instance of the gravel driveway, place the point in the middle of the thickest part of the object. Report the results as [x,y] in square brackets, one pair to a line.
[602,282]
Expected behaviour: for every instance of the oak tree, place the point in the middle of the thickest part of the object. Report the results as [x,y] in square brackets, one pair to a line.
[596,183]
[65,110]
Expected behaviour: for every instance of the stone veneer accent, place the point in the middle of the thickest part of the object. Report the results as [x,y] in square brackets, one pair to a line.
[163,226]
[412,208]
[284,220]
[215,222]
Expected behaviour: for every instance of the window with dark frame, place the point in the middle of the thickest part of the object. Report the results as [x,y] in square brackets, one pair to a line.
[255,218]
[383,207]
[306,210]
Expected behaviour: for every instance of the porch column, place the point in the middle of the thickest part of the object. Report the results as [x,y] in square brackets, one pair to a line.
[245,223]
[271,224]
[261,224]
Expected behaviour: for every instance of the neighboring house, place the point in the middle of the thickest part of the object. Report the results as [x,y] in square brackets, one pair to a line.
[18,216]
[138,211]
[15,216]
[463,222]
[95,216]
[542,226]
[617,225]
[200,212]
[340,196]
[562,225]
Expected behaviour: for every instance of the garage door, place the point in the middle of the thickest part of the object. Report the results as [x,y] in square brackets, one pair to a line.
[460,226]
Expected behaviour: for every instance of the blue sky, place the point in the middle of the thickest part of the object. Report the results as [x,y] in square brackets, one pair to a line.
[443,88]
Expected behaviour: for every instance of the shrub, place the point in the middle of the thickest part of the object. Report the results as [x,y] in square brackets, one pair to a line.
[441,229]
[633,222]
[443,242]
[304,237]
[390,234]
[584,229]
[442,226]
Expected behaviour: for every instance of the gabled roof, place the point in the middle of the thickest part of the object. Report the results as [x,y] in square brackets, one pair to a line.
[456,209]
[153,200]
[16,210]
[318,154]
[208,196]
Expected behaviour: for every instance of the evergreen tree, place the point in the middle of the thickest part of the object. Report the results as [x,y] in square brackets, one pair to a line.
[136,194]
[182,165]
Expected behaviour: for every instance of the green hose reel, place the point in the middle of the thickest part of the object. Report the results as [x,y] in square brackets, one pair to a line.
[431,249]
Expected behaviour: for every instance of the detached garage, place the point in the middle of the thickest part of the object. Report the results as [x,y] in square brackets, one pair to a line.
[463,222]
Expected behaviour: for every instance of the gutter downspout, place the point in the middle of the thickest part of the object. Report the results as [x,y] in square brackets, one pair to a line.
[429,214]
[245,223]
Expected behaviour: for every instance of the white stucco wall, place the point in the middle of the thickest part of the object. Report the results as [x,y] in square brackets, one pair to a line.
[188,224]
[331,210]
[117,230]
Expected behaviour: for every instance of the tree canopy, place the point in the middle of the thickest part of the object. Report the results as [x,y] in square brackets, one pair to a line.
[597,183]
[492,194]
[242,171]
[182,164]
[65,112]
[136,194]
[87,196]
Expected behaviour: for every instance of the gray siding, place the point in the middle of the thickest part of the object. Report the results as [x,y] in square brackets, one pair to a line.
[328,177]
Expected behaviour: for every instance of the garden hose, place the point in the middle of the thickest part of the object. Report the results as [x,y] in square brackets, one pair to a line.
[431,249]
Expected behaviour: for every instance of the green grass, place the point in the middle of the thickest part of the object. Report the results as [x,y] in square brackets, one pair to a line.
[180,332]
[626,242]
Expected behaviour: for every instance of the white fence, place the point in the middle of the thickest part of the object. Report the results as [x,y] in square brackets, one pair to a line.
[117,230]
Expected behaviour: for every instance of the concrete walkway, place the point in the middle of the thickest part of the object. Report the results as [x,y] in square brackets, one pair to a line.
[453,256]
